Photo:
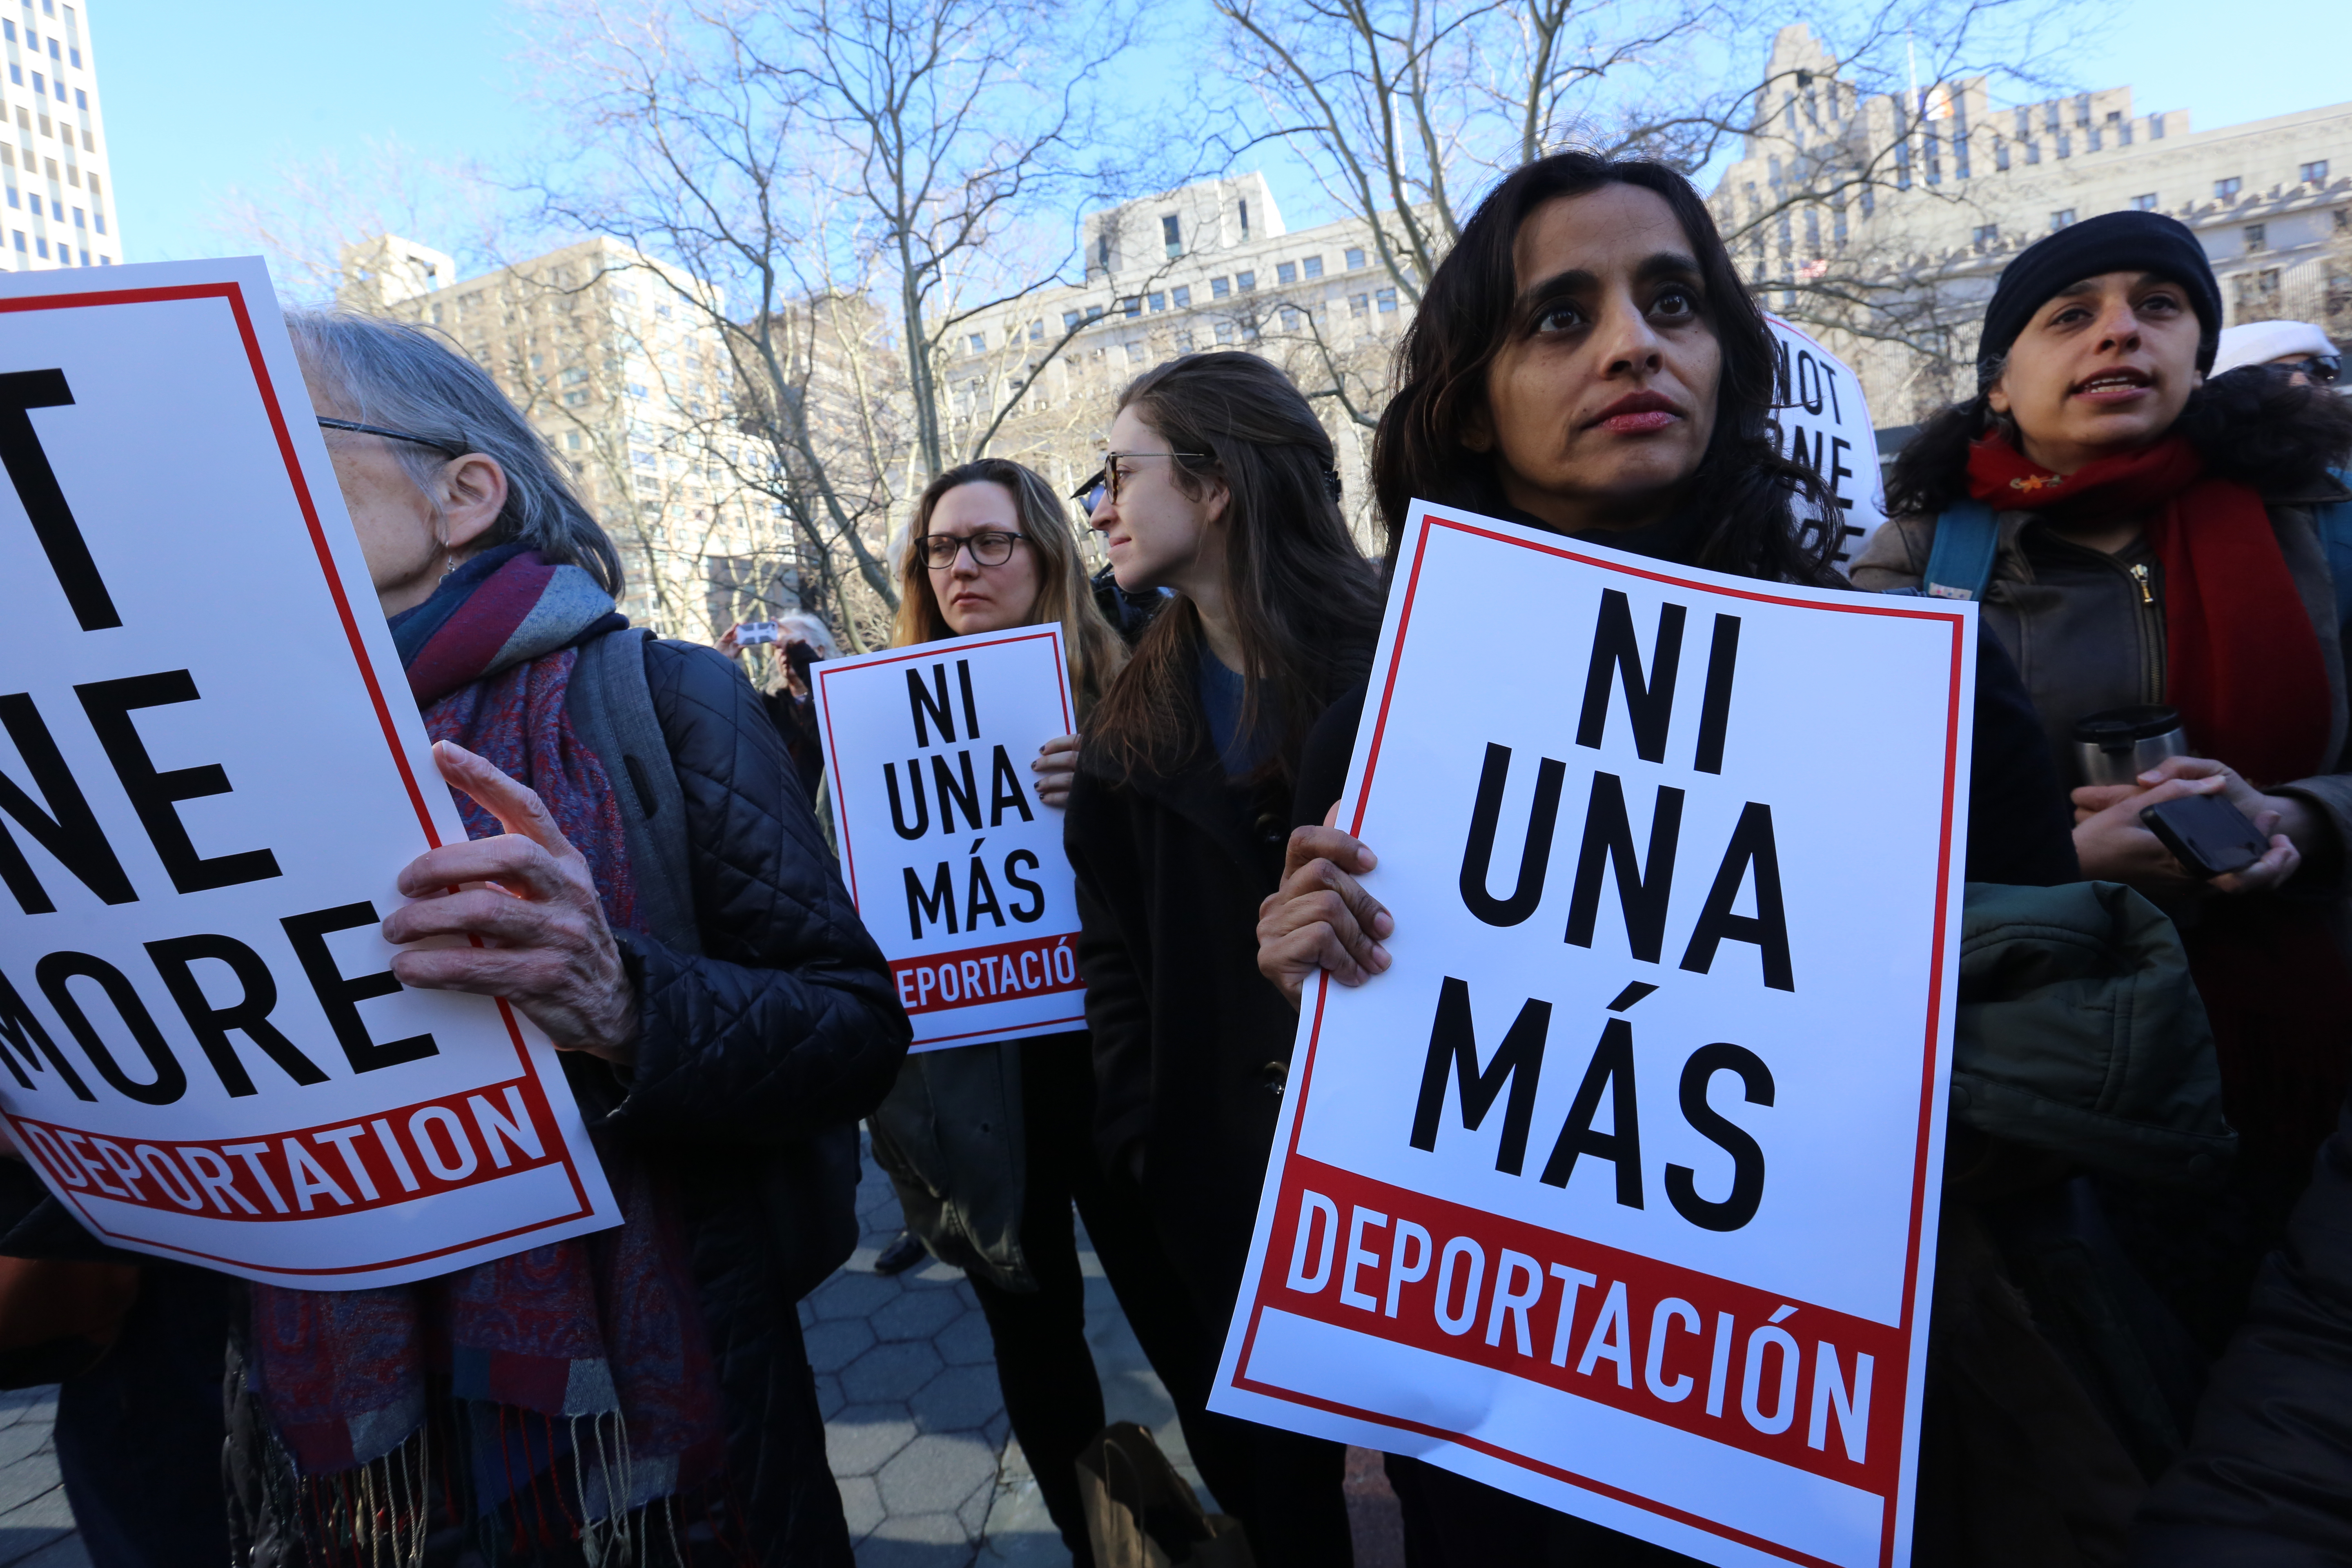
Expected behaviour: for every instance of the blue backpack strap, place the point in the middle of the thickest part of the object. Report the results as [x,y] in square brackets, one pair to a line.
[2335,524]
[1960,563]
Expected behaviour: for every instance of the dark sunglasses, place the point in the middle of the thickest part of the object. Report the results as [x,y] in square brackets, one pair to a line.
[1105,481]
[2323,369]
[441,447]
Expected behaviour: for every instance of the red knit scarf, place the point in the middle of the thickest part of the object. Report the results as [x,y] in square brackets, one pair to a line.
[2244,667]
[2242,661]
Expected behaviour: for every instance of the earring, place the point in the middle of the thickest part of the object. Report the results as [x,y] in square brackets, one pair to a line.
[449,557]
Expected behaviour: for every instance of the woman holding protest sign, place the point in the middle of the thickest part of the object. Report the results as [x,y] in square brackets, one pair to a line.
[2146,538]
[724,1018]
[989,1146]
[1587,362]
[1220,485]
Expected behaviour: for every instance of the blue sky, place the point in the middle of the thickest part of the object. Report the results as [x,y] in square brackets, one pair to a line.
[200,101]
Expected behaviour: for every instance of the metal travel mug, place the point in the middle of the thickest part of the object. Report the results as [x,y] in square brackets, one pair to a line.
[2115,747]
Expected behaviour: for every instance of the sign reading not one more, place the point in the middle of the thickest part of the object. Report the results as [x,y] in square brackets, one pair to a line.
[955,864]
[211,771]
[1618,1189]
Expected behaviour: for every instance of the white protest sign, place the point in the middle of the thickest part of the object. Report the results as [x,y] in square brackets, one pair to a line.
[212,771]
[956,866]
[1619,1189]
[1821,420]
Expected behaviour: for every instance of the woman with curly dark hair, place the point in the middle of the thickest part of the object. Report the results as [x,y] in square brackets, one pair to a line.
[2154,544]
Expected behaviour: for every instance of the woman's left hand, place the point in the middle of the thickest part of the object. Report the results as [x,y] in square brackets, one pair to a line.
[1057,766]
[2284,820]
[528,902]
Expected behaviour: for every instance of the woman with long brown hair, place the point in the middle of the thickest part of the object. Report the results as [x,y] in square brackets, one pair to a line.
[987,1145]
[1220,485]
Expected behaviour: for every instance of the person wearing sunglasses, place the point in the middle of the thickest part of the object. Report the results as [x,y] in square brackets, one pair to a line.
[992,547]
[2299,348]
[1219,485]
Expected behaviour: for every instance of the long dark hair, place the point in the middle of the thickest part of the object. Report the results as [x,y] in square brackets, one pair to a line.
[2255,425]
[1305,602]
[1743,486]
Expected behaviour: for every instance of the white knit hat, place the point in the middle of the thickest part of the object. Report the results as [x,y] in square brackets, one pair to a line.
[2259,342]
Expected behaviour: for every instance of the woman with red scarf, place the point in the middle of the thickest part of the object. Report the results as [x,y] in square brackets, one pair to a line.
[2156,544]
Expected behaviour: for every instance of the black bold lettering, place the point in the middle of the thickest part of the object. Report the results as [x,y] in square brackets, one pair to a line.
[950,796]
[1013,878]
[938,903]
[27,1040]
[1837,470]
[1519,1061]
[1751,844]
[1715,706]
[1642,889]
[1616,655]
[175,959]
[1535,856]
[932,700]
[980,897]
[53,971]
[68,830]
[1611,1070]
[971,713]
[44,500]
[914,787]
[1005,789]
[1746,1157]
[340,995]
[1809,383]
[108,704]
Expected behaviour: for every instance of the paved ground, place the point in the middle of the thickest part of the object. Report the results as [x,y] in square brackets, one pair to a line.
[915,1426]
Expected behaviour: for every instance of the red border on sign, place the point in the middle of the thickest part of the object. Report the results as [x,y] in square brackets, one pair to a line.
[233,295]
[840,800]
[1900,609]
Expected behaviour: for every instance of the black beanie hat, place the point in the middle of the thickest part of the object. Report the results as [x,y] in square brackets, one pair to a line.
[2112,242]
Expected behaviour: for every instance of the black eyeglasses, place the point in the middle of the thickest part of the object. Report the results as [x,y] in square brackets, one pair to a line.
[441,447]
[991,548]
[1103,483]
[2321,368]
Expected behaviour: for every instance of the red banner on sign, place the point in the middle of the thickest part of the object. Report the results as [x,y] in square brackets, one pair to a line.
[977,975]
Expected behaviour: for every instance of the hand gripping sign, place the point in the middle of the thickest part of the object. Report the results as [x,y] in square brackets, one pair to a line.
[1822,422]
[211,770]
[1618,1189]
[956,866]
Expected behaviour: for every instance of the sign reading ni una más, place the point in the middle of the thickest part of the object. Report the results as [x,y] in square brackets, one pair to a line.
[957,867]
[211,771]
[1618,1189]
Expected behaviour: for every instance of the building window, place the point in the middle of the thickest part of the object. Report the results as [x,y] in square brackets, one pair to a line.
[78,224]
[1160,301]
[12,196]
[1218,288]
[1355,257]
[1182,295]
[40,84]
[1388,301]
[1290,320]
[2313,174]
[40,247]
[1312,266]
[2062,218]
[2144,203]
[1037,331]
[1132,305]
[2255,238]
[1225,329]
[2033,152]
[1359,304]
[571,441]
[1245,206]
[1184,342]
[81,98]
[1172,234]
[2224,190]
[9,31]
[16,75]
[20,241]
[1987,236]
[1285,272]
[1246,279]
[1094,312]
[1069,320]
[2256,295]
[1999,154]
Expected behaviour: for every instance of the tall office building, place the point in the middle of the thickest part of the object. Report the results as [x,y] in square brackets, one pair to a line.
[53,166]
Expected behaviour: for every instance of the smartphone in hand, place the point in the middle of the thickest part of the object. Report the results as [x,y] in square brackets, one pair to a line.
[2206,833]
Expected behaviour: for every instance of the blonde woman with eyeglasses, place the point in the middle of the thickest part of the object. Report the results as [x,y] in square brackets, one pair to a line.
[989,1146]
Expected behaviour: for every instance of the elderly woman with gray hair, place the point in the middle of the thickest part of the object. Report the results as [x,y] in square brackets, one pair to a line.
[724,1019]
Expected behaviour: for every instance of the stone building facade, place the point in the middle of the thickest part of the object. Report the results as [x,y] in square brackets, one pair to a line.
[1882,221]
[632,389]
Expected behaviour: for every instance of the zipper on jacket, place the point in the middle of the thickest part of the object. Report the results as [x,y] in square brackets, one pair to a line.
[2139,575]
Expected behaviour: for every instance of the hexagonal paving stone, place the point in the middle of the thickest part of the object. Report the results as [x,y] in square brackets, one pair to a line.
[889,1372]
[852,1296]
[960,1399]
[861,1504]
[966,1342]
[935,1472]
[863,1437]
[832,1346]
[917,1315]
